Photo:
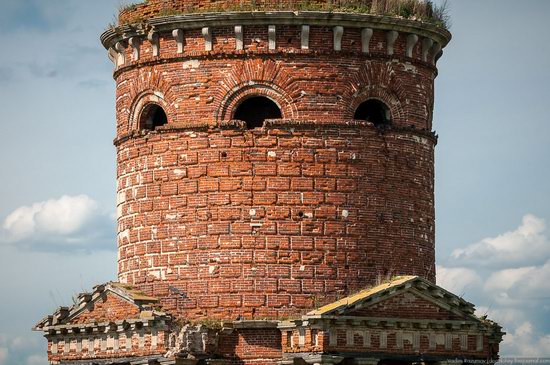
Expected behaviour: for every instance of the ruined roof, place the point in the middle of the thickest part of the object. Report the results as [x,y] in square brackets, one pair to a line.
[408,305]
[392,286]
[133,293]
[142,306]
[417,10]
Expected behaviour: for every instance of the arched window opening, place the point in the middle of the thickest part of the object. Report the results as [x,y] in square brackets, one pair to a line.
[153,116]
[254,111]
[373,111]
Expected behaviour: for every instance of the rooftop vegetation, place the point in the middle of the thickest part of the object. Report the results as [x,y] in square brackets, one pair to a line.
[421,10]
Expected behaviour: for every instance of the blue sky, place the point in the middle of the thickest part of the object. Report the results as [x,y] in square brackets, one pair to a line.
[57,196]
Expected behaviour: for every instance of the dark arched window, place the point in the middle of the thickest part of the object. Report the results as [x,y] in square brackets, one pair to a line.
[373,111]
[153,116]
[254,111]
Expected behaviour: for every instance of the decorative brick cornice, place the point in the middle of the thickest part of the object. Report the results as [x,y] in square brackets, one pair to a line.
[60,320]
[320,18]
[116,40]
[247,54]
[154,321]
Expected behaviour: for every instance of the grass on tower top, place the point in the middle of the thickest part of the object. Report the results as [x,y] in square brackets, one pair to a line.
[420,10]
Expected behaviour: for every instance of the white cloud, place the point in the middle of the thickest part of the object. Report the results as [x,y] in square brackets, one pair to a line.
[503,280]
[525,246]
[509,317]
[3,355]
[507,277]
[22,350]
[15,343]
[73,221]
[4,345]
[37,360]
[518,298]
[457,279]
[526,283]
[18,343]
[524,341]
[63,216]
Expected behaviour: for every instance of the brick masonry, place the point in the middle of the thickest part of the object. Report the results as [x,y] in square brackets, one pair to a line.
[271,228]
[274,221]
[107,324]
[314,84]
[228,235]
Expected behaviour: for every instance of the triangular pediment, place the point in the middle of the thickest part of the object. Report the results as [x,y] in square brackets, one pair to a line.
[405,297]
[111,302]
[108,307]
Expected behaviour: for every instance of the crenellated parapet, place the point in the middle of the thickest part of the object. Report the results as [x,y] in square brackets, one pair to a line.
[208,34]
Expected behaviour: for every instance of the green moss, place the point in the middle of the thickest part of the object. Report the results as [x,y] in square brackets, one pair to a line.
[407,9]
[127,7]
[213,324]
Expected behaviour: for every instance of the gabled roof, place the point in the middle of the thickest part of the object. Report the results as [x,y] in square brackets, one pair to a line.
[397,285]
[405,306]
[143,306]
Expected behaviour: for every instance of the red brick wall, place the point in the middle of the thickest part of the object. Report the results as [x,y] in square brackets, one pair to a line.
[361,345]
[316,84]
[85,344]
[193,229]
[407,306]
[128,346]
[108,308]
[251,344]
[392,348]
[186,195]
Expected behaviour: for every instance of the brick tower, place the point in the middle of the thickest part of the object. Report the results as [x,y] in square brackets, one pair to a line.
[275,191]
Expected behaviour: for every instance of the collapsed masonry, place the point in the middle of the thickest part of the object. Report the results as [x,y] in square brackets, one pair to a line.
[407,320]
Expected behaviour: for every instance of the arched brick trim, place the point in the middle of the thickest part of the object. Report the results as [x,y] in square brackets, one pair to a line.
[244,91]
[141,101]
[376,81]
[143,82]
[384,95]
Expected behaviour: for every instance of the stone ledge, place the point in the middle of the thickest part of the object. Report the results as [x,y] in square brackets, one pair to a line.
[284,124]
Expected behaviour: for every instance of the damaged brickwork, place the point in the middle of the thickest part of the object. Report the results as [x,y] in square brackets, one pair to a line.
[273,221]
[275,195]
[286,221]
